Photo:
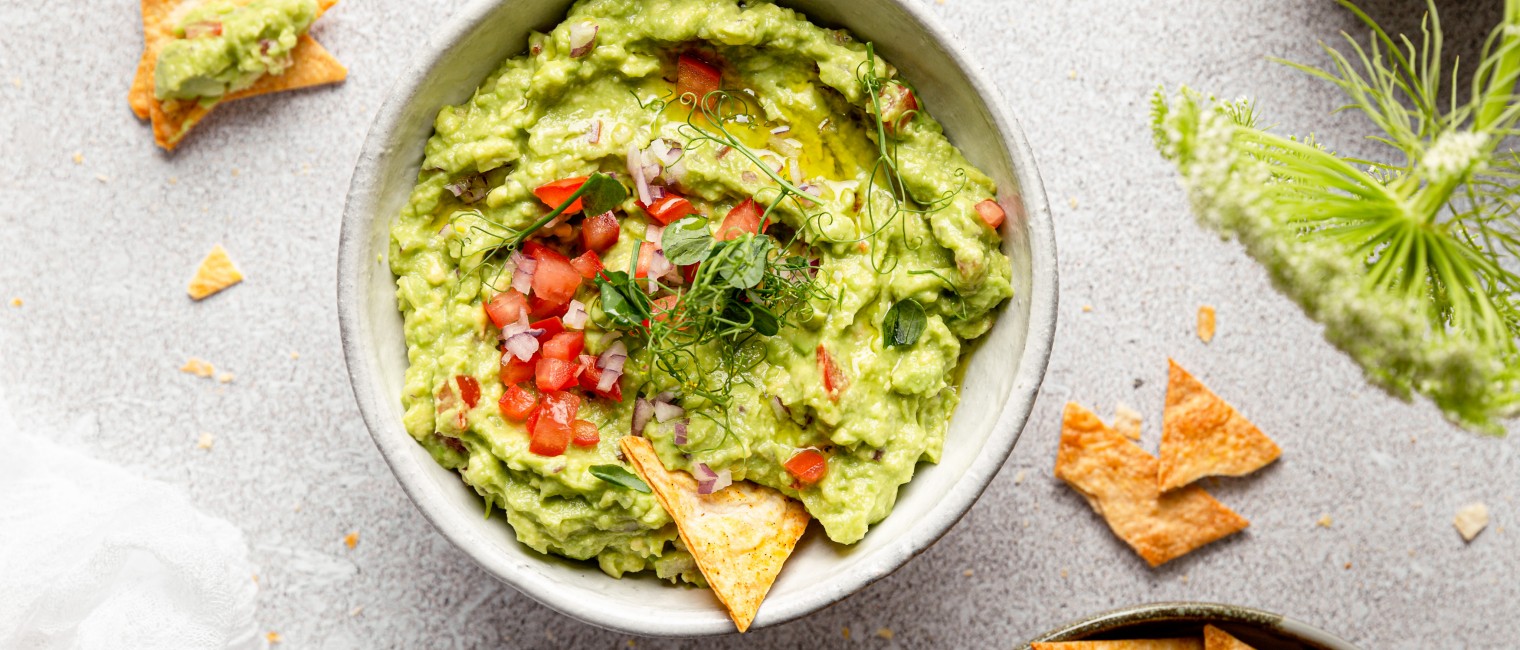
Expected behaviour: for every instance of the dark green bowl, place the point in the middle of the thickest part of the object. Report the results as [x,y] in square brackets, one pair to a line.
[1261,630]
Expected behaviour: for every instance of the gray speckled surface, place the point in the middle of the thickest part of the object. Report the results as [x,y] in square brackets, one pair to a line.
[99,252]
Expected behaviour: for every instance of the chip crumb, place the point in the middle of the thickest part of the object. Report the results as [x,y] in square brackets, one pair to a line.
[174,180]
[1064,573]
[103,178]
[1348,566]
[846,633]
[1020,476]
[1183,578]
[356,611]
[255,578]
[198,367]
[351,540]
[273,637]
[1206,323]
[1324,521]
[305,169]
[1471,520]
[79,157]
[885,633]
[235,171]
[205,441]
[16,81]
[1073,202]
[295,355]
[1087,308]
[225,378]
[968,573]
[216,272]
[16,302]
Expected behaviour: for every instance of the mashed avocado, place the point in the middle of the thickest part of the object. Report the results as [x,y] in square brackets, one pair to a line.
[225,46]
[826,382]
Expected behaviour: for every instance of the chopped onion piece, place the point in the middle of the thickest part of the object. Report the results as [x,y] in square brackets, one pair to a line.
[781,129]
[654,233]
[523,346]
[524,262]
[608,380]
[703,473]
[709,481]
[665,396]
[582,38]
[659,265]
[656,192]
[594,134]
[680,431]
[575,315]
[723,152]
[513,329]
[793,171]
[677,172]
[636,169]
[614,357]
[642,410]
[522,281]
[782,412]
[665,412]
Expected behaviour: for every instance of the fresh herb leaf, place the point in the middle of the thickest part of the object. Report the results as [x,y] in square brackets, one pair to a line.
[621,300]
[744,267]
[687,241]
[600,193]
[903,324]
[617,475]
[765,322]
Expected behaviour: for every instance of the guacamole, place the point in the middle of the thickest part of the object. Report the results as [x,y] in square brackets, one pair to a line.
[740,129]
[222,46]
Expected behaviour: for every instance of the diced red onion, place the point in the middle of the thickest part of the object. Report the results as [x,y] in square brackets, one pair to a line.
[665,396]
[665,411]
[677,172]
[582,38]
[782,412]
[654,233]
[659,265]
[656,192]
[749,177]
[513,329]
[709,481]
[524,262]
[723,152]
[608,380]
[781,129]
[793,171]
[680,431]
[636,169]
[642,411]
[613,357]
[523,346]
[742,118]
[575,315]
[522,281]
[265,44]
[594,134]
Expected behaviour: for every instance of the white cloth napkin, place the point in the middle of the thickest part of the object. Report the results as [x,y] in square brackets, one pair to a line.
[92,556]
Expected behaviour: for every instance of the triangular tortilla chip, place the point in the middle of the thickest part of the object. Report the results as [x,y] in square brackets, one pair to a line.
[739,535]
[1118,479]
[1201,435]
[216,272]
[1217,639]
[172,120]
[1137,644]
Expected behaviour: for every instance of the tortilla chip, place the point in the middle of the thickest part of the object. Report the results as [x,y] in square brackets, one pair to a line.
[740,535]
[1201,435]
[1217,639]
[1471,520]
[198,367]
[216,272]
[1127,421]
[1206,323]
[1118,479]
[172,120]
[1137,644]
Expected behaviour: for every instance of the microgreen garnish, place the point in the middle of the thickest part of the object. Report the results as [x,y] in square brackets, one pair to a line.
[687,241]
[1410,265]
[904,323]
[620,476]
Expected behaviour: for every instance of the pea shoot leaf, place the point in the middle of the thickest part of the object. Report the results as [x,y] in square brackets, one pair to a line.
[601,193]
[687,241]
[621,300]
[617,475]
[744,267]
[903,324]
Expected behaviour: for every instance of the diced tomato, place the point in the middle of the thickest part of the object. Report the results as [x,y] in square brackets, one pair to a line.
[517,404]
[833,380]
[469,390]
[533,417]
[586,434]
[515,371]
[565,346]
[555,193]
[554,374]
[809,466]
[689,272]
[991,213]
[600,232]
[589,264]
[744,218]
[550,326]
[661,307]
[592,377]
[546,309]
[506,307]
[898,104]
[552,431]
[555,280]
[695,76]
[670,208]
[646,256]
[205,29]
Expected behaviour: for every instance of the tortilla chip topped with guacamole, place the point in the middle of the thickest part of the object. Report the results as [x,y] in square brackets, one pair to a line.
[198,53]
[768,262]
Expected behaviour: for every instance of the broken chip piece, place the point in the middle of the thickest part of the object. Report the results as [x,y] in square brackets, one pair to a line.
[1206,323]
[739,535]
[1471,520]
[1127,421]
[310,65]
[1137,644]
[215,273]
[198,367]
[1118,479]
[1217,639]
[1202,435]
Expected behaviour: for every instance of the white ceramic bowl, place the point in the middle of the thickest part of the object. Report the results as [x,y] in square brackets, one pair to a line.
[998,393]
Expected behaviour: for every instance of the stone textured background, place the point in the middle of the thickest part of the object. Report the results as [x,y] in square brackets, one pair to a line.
[99,250]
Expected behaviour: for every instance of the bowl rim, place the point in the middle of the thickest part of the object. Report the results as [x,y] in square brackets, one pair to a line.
[1194,611]
[353,250]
